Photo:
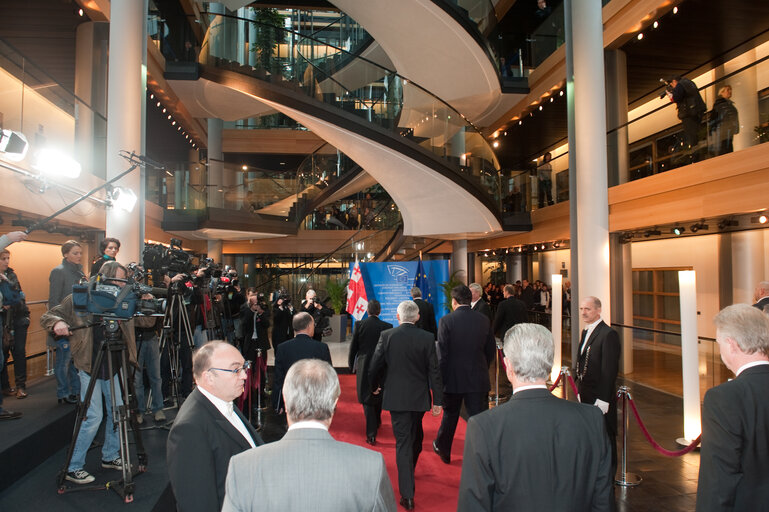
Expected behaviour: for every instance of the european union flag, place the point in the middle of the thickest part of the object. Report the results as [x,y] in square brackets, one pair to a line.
[422,282]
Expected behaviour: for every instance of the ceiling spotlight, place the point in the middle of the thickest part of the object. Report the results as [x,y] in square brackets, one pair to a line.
[496,144]
[652,232]
[656,24]
[152,96]
[540,107]
[157,104]
[675,10]
[542,247]
[551,100]
[761,219]
[560,93]
[556,245]
[520,123]
[626,237]
[173,123]
[727,223]
[169,117]
[698,226]
[244,167]
[640,36]
[678,230]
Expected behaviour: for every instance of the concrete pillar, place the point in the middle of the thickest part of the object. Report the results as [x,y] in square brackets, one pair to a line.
[590,142]
[91,40]
[215,250]
[515,270]
[621,300]
[616,116]
[125,105]
[215,164]
[459,259]
[747,264]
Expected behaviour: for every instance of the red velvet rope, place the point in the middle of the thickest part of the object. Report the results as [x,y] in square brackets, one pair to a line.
[654,443]
[573,385]
[253,381]
[555,384]
[502,358]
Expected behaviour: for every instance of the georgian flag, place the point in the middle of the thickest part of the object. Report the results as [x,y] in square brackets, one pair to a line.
[357,301]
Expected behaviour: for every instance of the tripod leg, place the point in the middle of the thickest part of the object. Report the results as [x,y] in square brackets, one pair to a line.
[118,384]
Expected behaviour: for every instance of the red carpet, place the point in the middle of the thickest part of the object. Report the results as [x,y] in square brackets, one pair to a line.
[437,485]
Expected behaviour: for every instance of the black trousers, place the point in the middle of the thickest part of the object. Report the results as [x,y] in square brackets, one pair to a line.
[407,429]
[373,413]
[452,405]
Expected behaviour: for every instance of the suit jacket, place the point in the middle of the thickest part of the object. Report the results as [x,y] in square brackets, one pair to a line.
[510,312]
[405,361]
[597,368]
[198,453]
[517,457]
[249,320]
[761,304]
[308,470]
[482,307]
[364,339]
[466,347]
[426,317]
[291,351]
[734,458]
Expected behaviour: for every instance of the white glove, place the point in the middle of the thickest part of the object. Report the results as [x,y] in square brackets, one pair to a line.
[604,406]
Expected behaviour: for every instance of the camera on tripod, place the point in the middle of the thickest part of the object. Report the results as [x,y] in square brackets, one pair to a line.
[96,297]
[161,260]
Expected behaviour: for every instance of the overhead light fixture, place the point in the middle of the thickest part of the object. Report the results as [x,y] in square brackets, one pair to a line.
[761,219]
[652,232]
[678,230]
[55,164]
[697,226]
[656,24]
[675,10]
[13,145]
[727,223]
[640,36]
[122,198]
[626,237]
[495,144]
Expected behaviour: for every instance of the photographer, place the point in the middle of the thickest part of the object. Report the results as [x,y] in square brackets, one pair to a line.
[282,315]
[15,322]
[148,356]
[233,301]
[319,312]
[85,343]
[683,92]
[254,323]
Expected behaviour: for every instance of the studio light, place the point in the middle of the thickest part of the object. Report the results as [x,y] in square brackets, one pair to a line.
[123,198]
[13,145]
[55,164]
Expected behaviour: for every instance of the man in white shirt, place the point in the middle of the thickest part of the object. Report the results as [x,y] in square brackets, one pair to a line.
[734,458]
[308,469]
[208,430]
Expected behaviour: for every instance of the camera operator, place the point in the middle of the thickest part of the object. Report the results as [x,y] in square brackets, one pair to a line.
[282,316]
[683,92]
[320,313]
[180,283]
[233,301]
[201,307]
[254,323]
[85,344]
[148,356]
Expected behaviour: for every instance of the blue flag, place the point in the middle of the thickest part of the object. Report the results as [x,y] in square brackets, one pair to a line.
[421,282]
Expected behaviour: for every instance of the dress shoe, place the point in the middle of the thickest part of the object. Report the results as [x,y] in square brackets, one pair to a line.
[445,458]
[9,392]
[371,440]
[20,393]
[407,503]
[9,415]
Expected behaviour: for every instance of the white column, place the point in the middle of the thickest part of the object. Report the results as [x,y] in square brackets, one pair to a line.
[478,264]
[124,116]
[215,164]
[215,250]
[91,95]
[547,266]
[590,142]
[556,325]
[459,259]
[689,355]
[747,264]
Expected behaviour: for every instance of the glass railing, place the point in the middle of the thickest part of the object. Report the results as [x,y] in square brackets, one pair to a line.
[49,114]
[362,88]
[364,211]
[481,12]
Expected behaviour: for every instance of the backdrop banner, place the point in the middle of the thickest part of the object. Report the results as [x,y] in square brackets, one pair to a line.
[390,283]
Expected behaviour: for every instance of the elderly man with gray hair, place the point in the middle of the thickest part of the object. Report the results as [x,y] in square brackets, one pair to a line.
[734,459]
[522,455]
[308,469]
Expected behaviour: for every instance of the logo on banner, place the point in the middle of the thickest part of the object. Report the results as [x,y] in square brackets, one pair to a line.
[399,273]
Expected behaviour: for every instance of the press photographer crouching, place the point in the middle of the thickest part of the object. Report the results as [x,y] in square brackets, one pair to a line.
[86,336]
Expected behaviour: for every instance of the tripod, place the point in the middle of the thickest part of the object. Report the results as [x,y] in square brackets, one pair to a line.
[112,345]
[175,310]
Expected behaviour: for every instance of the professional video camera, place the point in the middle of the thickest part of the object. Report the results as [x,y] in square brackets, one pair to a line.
[98,298]
[668,88]
[279,294]
[171,260]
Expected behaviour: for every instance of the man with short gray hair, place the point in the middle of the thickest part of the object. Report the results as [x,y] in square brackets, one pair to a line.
[477,303]
[517,453]
[762,296]
[308,469]
[734,458]
[406,356]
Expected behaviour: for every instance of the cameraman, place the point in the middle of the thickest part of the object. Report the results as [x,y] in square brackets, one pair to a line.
[684,93]
[148,357]
[254,323]
[85,343]
[282,316]
[233,301]
[319,312]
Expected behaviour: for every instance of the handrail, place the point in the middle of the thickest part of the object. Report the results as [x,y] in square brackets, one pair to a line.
[658,331]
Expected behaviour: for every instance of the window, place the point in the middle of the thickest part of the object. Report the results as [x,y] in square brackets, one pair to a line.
[656,304]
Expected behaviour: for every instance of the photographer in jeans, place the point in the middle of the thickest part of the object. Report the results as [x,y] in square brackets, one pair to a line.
[320,313]
[61,281]
[15,316]
[85,343]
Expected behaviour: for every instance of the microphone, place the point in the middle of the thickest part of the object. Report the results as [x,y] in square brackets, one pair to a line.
[141,159]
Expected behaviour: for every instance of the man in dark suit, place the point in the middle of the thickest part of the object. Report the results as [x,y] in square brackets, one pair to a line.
[762,295]
[319,313]
[597,367]
[208,430]
[477,303]
[734,458]
[406,357]
[364,340]
[510,312]
[517,454]
[527,294]
[303,346]
[466,347]
[426,312]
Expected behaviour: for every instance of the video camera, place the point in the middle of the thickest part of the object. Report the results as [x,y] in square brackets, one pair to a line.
[171,260]
[279,294]
[96,297]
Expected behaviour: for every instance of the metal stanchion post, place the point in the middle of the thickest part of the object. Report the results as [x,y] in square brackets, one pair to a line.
[564,383]
[625,479]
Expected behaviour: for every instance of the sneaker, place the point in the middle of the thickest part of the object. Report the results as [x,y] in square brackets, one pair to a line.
[116,463]
[160,416]
[139,418]
[80,476]
[5,414]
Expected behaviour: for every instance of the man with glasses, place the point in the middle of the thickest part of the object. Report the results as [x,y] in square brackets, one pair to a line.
[208,430]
